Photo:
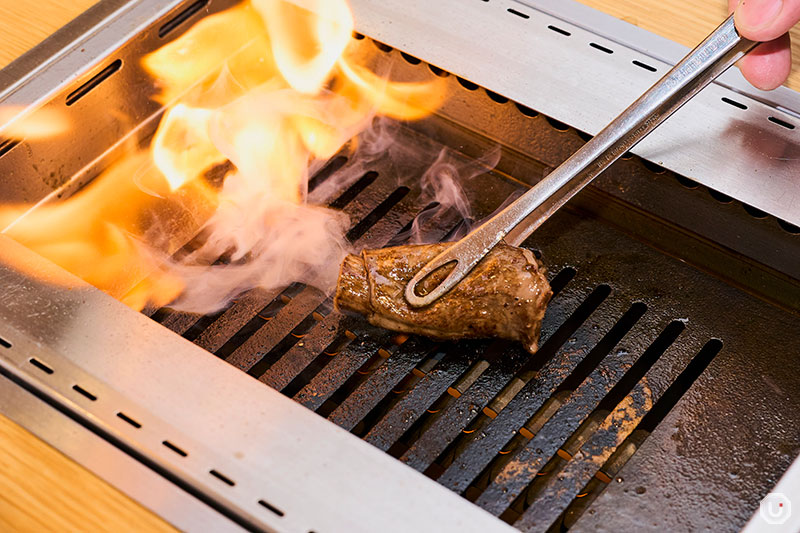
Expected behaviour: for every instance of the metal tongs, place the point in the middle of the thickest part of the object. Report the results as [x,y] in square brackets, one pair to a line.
[516,222]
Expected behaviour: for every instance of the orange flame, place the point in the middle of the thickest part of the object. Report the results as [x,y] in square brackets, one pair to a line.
[264,86]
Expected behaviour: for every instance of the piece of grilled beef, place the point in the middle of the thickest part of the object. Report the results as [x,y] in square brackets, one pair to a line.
[504,296]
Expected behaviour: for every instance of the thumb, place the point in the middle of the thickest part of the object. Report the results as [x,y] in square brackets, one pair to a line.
[766,20]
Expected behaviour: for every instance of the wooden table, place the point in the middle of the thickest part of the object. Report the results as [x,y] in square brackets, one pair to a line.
[683,21]
[41,489]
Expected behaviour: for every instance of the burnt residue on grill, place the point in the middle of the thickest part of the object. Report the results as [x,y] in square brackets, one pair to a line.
[630,336]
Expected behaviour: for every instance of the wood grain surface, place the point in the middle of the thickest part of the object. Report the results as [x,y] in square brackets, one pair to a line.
[41,489]
[25,23]
[684,21]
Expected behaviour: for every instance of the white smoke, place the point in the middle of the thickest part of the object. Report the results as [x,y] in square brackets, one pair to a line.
[270,241]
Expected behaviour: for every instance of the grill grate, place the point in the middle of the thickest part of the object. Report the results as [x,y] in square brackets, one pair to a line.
[533,440]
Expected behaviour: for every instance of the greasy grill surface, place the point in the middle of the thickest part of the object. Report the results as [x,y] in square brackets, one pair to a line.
[532,439]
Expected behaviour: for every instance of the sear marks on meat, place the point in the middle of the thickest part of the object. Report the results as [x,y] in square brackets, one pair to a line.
[504,296]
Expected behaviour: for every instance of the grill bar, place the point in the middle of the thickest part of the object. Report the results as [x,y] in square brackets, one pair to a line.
[528,462]
[423,452]
[560,489]
[549,381]
[415,402]
[380,383]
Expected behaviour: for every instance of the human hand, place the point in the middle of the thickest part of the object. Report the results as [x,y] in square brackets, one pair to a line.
[769,21]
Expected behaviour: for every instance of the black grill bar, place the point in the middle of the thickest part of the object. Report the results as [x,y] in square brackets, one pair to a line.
[299,356]
[324,341]
[505,360]
[259,344]
[584,499]
[366,344]
[276,302]
[422,453]
[549,382]
[380,383]
[561,489]
[415,402]
[547,445]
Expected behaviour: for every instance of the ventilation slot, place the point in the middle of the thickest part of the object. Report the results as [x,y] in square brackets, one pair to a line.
[686,182]
[788,226]
[404,234]
[174,448]
[354,190]
[8,145]
[129,420]
[410,59]
[83,392]
[557,125]
[496,97]
[271,507]
[559,30]
[652,167]
[468,85]
[603,348]
[4,343]
[781,122]
[99,78]
[518,13]
[601,48]
[181,17]
[754,211]
[438,71]
[720,197]
[642,365]
[329,170]
[527,111]
[222,477]
[734,103]
[40,365]
[645,66]
[560,281]
[681,385]
[358,231]
[382,47]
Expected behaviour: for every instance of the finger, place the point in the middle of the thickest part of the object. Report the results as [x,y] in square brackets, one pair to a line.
[769,64]
[766,20]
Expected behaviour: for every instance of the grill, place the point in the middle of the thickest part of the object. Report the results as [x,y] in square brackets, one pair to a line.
[659,397]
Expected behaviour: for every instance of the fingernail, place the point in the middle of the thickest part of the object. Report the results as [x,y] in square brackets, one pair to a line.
[758,14]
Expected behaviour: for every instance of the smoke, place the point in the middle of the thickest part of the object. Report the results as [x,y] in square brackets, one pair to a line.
[269,241]
[269,235]
[442,187]
[278,243]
